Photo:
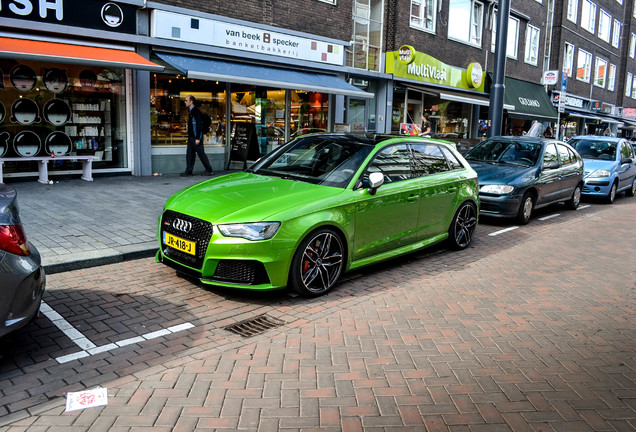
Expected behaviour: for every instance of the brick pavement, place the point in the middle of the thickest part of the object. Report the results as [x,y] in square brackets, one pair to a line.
[533,330]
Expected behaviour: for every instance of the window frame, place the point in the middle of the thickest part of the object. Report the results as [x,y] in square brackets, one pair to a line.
[611,77]
[568,61]
[588,21]
[530,31]
[604,33]
[628,84]
[598,81]
[587,66]
[473,39]
[423,19]
[573,10]
[616,33]
[632,45]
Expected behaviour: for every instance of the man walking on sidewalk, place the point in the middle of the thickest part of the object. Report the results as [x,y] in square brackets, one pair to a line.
[195,139]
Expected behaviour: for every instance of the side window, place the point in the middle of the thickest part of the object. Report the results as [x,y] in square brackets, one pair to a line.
[564,155]
[428,159]
[452,159]
[550,154]
[393,162]
[626,150]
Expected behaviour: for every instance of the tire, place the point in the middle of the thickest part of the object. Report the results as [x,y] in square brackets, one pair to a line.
[463,226]
[573,203]
[317,263]
[632,190]
[525,209]
[611,196]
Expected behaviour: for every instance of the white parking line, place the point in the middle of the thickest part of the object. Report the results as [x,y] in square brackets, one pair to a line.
[125,342]
[496,233]
[550,216]
[66,327]
[583,207]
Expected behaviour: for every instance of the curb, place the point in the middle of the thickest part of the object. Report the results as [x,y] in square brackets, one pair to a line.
[100,258]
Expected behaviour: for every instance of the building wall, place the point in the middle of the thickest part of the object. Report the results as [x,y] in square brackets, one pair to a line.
[309,16]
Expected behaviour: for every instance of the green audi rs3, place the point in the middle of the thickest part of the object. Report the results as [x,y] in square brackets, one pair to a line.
[317,207]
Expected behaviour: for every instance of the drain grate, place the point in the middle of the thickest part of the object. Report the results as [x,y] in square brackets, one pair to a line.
[254,326]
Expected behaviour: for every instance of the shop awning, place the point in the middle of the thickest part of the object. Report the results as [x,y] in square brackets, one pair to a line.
[583,115]
[526,99]
[24,49]
[464,98]
[218,70]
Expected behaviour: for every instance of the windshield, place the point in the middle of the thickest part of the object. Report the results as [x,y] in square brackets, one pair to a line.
[502,151]
[595,149]
[324,160]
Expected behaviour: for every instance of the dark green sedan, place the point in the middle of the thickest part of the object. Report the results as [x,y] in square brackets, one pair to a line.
[317,207]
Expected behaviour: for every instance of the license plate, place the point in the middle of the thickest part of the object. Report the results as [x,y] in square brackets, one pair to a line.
[179,244]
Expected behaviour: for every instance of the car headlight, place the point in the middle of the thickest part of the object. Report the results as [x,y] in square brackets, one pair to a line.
[496,189]
[600,173]
[250,231]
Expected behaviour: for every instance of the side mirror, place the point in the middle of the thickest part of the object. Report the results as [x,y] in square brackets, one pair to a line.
[626,160]
[551,165]
[375,181]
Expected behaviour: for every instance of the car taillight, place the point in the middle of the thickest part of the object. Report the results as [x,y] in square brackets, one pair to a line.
[13,240]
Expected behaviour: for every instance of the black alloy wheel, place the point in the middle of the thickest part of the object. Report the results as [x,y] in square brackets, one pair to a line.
[632,190]
[463,226]
[317,264]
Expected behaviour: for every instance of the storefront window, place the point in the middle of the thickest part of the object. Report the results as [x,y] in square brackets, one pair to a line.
[309,112]
[49,109]
[169,115]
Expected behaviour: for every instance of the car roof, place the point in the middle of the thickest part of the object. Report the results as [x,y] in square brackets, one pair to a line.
[598,137]
[373,138]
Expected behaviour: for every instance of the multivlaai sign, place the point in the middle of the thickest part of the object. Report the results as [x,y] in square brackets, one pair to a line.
[93,14]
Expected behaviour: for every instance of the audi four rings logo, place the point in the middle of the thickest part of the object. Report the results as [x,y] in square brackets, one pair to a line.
[182,225]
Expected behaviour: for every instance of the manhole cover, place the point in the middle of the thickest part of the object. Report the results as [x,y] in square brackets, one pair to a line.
[254,326]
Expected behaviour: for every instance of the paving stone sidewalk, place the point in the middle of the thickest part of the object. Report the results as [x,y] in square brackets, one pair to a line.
[76,224]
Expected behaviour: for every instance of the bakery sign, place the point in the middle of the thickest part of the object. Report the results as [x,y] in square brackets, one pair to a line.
[411,64]
[93,14]
[187,28]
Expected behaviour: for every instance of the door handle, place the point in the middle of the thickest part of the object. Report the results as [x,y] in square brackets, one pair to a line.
[452,189]
[412,198]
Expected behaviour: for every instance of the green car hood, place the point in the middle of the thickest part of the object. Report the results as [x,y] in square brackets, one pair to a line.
[246,197]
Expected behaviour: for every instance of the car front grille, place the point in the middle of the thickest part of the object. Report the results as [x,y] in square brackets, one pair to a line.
[241,271]
[188,228]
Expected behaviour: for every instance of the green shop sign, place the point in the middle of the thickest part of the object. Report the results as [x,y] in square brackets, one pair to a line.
[410,64]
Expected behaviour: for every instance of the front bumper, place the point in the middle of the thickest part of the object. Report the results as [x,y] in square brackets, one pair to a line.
[223,261]
[597,186]
[21,290]
[499,205]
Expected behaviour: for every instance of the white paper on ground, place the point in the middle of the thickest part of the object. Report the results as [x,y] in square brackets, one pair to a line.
[86,399]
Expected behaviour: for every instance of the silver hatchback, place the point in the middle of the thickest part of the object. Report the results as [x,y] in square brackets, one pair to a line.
[22,279]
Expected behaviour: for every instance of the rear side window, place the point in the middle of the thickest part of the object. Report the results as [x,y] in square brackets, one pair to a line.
[566,156]
[453,162]
[428,159]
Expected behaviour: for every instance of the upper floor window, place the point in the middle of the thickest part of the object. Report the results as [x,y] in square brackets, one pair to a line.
[333,2]
[600,72]
[532,45]
[573,10]
[616,33]
[604,26]
[611,77]
[583,66]
[423,15]
[364,52]
[512,42]
[568,59]
[466,21]
[628,84]
[632,45]
[588,16]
